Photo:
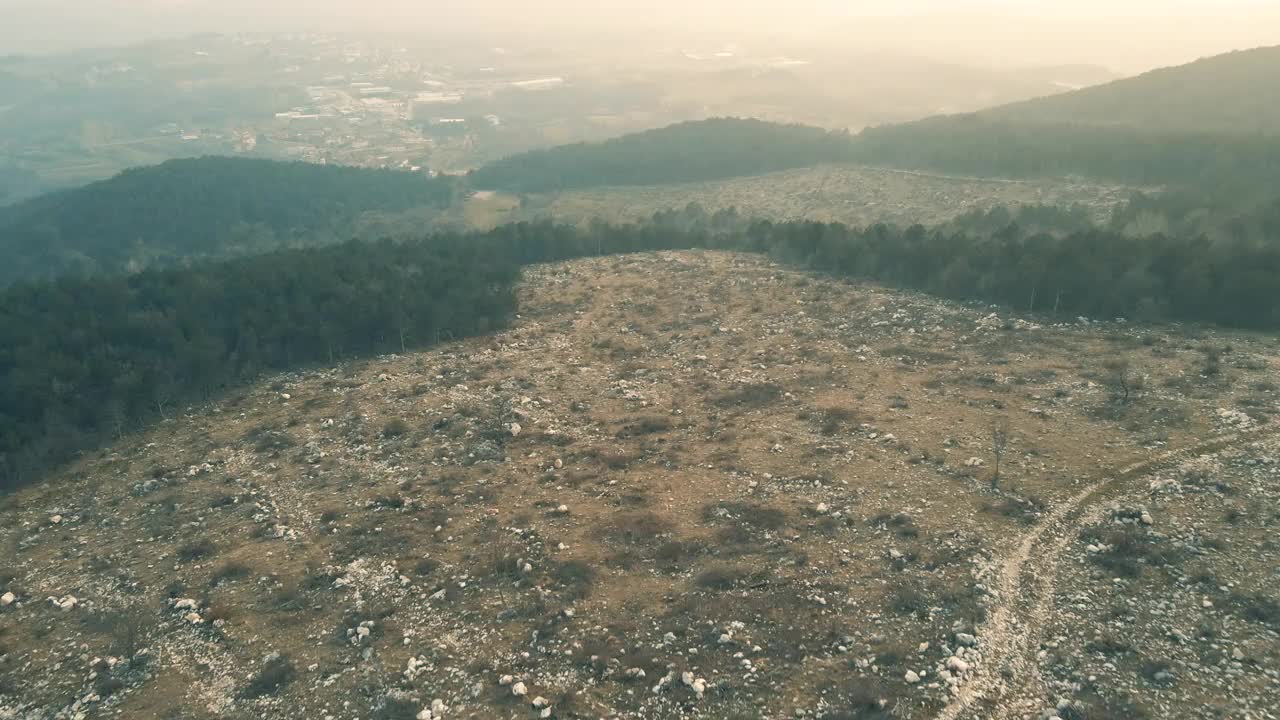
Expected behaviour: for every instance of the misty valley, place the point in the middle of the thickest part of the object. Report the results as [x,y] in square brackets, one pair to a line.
[466,374]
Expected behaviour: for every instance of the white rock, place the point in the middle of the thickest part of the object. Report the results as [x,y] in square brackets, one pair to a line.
[955,664]
[541,702]
[1147,519]
[425,715]
[562,509]
[193,618]
[558,463]
[519,690]
[55,519]
[7,599]
[822,509]
[515,429]
[185,604]
[911,677]
[974,462]
[966,640]
[438,708]
[68,603]
[699,686]
[286,396]
[506,680]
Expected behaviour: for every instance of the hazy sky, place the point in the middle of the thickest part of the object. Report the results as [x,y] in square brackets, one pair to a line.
[1128,35]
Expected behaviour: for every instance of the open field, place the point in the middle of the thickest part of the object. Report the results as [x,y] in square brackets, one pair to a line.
[683,485]
[852,195]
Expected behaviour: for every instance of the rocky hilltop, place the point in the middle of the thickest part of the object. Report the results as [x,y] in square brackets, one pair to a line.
[682,485]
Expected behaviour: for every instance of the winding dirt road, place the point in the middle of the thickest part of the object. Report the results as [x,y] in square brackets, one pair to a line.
[1007,685]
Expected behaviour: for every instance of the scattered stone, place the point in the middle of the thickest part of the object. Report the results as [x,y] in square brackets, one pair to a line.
[519,690]
[966,640]
[911,677]
[7,599]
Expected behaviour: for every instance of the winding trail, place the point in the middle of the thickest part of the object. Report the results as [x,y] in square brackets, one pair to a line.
[1007,685]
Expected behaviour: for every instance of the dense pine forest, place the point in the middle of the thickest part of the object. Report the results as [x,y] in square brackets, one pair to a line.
[211,207]
[123,350]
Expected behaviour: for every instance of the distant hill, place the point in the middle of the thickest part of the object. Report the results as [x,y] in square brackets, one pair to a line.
[687,152]
[1215,122]
[202,208]
[1236,93]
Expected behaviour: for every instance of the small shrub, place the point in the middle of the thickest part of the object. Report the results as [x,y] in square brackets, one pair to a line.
[394,428]
[909,600]
[650,425]
[753,396]
[275,673]
[637,528]
[267,439]
[721,577]
[1109,645]
[196,550]
[229,572]
[576,576]
[1258,608]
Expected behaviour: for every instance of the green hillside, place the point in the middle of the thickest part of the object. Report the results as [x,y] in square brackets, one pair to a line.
[1236,93]
[1212,124]
[687,152]
[201,208]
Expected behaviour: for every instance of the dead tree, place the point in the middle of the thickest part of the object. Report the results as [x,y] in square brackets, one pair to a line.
[1123,383]
[999,441]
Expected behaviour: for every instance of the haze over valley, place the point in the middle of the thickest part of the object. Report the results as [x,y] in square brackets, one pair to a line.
[834,360]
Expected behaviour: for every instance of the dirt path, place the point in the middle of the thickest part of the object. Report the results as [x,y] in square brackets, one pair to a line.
[1007,684]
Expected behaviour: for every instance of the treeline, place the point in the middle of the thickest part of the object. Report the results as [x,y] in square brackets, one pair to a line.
[977,145]
[687,152]
[212,207]
[81,358]
[1095,273]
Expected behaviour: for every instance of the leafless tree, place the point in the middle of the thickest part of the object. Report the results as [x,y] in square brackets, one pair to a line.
[999,441]
[1123,381]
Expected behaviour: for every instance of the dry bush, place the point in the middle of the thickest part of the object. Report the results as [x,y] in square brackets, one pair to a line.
[649,425]
[751,397]
[270,679]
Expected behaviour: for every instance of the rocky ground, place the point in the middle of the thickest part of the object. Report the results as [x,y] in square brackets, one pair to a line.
[682,485]
[853,195]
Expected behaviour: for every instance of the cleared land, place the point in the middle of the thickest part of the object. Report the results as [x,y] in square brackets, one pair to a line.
[850,194]
[683,485]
